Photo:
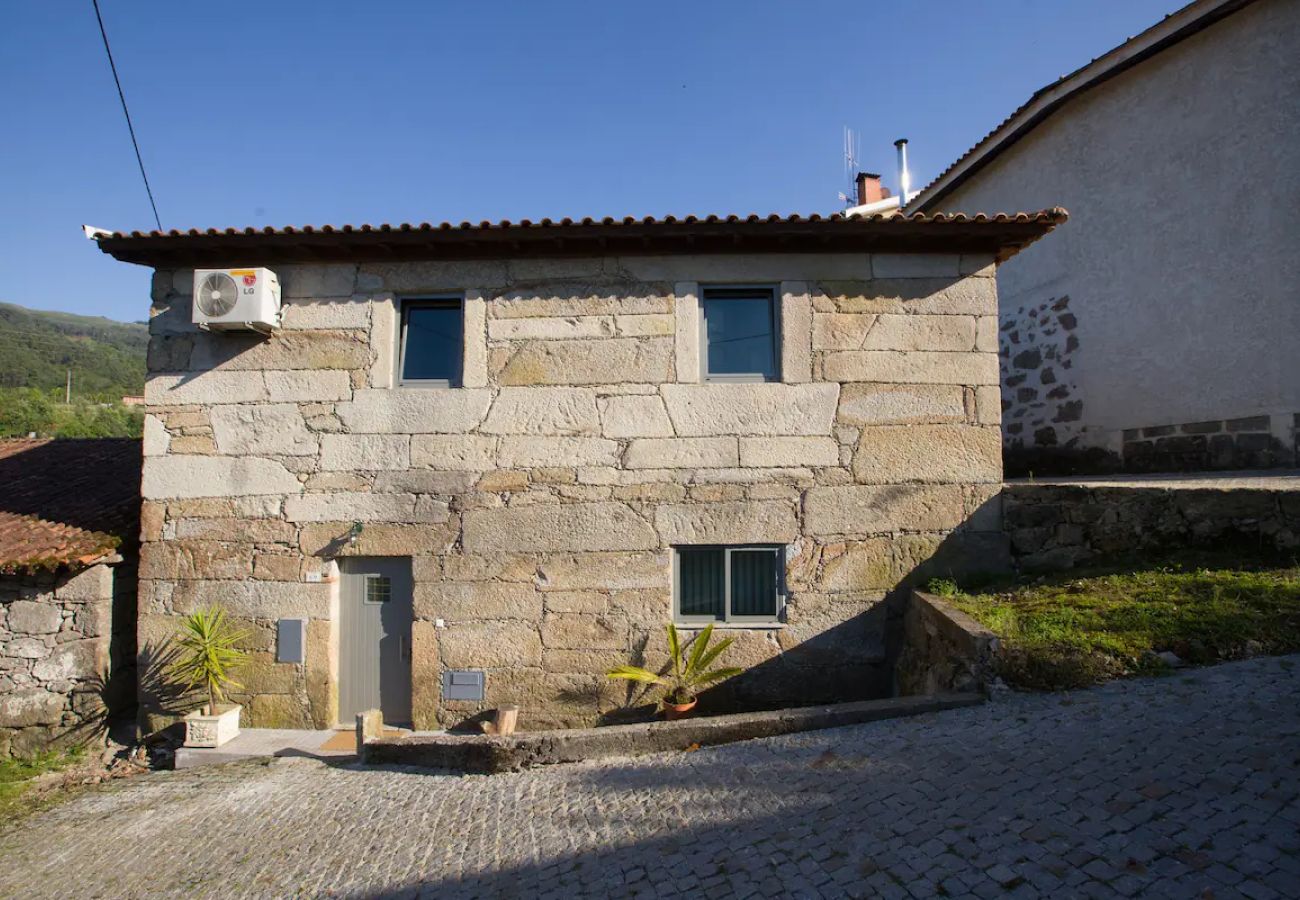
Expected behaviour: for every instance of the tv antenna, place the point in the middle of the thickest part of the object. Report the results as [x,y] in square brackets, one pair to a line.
[852,147]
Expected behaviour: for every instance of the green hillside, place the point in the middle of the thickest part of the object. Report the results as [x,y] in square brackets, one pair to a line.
[38,348]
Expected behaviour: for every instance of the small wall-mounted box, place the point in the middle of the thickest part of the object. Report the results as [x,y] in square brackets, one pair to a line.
[462,685]
[291,640]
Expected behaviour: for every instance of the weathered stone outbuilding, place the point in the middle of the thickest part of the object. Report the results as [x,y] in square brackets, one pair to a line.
[69,515]
[552,439]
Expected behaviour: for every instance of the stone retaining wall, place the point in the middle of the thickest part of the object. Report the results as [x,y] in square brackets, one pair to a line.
[943,649]
[540,500]
[1060,526]
[55,649]
[482,754]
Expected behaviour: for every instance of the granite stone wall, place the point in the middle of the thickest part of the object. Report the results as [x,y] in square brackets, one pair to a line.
[55,649]
[540,501]
[1055,527]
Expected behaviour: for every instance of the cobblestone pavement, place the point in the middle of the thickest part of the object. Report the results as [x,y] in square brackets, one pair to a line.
[1184,786]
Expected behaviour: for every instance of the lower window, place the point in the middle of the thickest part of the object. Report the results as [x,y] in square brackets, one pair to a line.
[733,585]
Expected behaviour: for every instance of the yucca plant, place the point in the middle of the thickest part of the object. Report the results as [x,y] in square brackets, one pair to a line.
[206,653]
[688,674]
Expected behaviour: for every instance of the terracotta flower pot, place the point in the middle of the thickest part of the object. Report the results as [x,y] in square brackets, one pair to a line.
[674,711]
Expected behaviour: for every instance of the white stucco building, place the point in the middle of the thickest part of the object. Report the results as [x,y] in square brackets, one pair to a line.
[1160,330]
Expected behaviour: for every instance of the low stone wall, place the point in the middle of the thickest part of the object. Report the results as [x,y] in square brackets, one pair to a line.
[943,649]
[1058,526]
[483,754]
[55,650]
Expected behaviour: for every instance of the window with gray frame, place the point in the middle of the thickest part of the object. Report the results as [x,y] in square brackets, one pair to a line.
[733,585]
[740,334]
[432,337]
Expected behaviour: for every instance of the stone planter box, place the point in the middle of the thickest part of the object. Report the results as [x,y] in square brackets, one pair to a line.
[212,731]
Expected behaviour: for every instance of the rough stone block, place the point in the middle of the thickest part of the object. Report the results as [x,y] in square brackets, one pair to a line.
[352,312]
[562,298]
[865,509]
[655,325]
[170,477]
[988,404]
[718,409]
[415,410]
[634,416]
[432,276]
[364,452]
[841,331]
[377,539]
[30,706]
[416,481]
[316,280]
[911,367]
[681,453]
[362,507]
[921,332]
[490,644]
[889,454]
[543,410]
[741,522]
[796,332]
[283,350]
[31,617]
[95,583]
[552,328]
[457,452]
[583,631]
[474,355]
[604,571]
[604,361]
[205,388]
[942,296]
[789,451]
[576,526]
[904,404]
[306,386]
[536,452]
[275,429]
[477,601]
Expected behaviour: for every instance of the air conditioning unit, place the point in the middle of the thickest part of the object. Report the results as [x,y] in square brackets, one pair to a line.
[236,300]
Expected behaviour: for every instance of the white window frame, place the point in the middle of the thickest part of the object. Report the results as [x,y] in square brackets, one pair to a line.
[774,299]
[728,620]
[404,304]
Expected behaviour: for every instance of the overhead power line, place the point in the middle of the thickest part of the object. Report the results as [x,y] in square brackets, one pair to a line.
[126,112]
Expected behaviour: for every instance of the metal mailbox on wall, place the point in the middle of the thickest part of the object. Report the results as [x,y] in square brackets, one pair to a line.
[291,640]
[462,685]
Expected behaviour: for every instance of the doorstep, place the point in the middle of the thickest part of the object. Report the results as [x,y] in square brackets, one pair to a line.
[251,743]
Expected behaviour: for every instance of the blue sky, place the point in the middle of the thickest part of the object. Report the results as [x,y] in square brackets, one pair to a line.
[286,112]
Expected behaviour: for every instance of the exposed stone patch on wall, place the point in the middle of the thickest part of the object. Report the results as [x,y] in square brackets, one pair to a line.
[1250,442]
[55,640]
[540,502]
[1059,526]
[1036,352]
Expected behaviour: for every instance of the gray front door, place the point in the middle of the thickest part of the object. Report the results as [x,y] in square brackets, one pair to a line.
[375,638]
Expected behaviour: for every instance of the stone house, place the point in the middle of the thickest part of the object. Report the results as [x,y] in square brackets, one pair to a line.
[1158,332]
[69,517]
[482,464]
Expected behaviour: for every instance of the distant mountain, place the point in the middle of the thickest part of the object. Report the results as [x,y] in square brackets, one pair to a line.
[37,349]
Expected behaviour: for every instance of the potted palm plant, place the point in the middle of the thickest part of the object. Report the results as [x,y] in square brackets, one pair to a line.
[686,675]
[206,653]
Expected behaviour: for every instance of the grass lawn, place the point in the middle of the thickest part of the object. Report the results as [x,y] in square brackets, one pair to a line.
[17,794]
[1078,629]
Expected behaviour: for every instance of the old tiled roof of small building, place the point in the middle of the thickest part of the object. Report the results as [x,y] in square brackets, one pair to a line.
[1001,234]
[66,502]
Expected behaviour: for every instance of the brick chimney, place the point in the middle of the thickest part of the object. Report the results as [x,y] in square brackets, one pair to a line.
[869,188]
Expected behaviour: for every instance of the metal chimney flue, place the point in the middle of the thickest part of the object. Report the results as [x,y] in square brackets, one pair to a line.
[904,177]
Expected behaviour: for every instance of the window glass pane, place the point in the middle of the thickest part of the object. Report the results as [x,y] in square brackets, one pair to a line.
[379,589]
[753,582]
[431,343]
[702,584]
[739,333]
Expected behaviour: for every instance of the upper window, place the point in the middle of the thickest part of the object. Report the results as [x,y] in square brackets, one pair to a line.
[740,334]
[432,336]
[737,585]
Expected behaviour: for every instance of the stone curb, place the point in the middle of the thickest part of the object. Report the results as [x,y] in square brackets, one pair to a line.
[483,754]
